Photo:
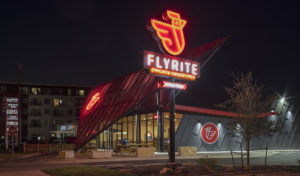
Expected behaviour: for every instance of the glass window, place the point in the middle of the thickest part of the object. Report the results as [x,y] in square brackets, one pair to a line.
[70,112]
[47,101]
[69,92]
[35,123]
[47,111]
[35,101]
[178,118]
[35,90]
[77,112]
[58,112]
[130,129]
[58,91]
[81,92]
[57,102]
[35,112]
[24,90]
[24,100]
[3,89]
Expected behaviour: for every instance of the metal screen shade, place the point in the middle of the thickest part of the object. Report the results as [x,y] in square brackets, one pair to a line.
[110,101]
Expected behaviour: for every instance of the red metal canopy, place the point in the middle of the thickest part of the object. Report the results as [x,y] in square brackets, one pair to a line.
[110,101]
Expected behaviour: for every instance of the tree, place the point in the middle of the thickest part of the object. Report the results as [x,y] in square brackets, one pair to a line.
[247,100]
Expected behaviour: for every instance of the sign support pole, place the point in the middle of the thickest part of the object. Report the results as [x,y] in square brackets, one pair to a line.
[19,132]
[12,145]
[172,126]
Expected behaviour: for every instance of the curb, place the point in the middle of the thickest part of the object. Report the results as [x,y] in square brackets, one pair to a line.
[27,156]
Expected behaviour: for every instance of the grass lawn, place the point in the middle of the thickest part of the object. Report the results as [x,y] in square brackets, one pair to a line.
[7,155]
[84,171]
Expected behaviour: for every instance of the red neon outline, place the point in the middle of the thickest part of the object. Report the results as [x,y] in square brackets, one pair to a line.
[95,98]
[171,35]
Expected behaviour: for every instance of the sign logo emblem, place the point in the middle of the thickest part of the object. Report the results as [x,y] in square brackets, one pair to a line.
[93,101]
[170,34]
[209,133]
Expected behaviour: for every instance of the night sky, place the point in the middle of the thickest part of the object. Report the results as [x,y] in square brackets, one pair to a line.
[92,42]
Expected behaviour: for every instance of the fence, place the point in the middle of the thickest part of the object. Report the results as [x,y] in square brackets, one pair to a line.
[47,147]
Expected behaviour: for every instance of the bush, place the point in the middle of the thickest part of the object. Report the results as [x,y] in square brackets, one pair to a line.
[209,164]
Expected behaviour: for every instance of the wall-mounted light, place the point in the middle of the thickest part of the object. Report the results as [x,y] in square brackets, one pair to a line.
[282,100]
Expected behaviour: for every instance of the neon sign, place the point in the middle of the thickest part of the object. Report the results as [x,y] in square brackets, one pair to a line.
[95,98]
[172,85]
[171,66]
[170,34]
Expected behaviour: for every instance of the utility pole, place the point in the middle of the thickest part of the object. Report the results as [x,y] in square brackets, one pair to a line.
[19,107]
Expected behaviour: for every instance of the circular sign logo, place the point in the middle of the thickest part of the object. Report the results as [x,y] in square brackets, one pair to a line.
[209,133]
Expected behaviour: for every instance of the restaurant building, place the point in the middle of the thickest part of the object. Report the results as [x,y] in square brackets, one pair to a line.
[136,109]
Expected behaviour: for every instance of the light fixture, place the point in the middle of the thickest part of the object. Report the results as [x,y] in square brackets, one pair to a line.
[282,100]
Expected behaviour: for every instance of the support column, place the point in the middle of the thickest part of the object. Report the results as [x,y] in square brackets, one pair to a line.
[162,137]
[127,129]
[111,138]
[153,130]
[136,129]
[172,126]
[139,127]
[97,142]
[146,137]
[158,117]
[121,128]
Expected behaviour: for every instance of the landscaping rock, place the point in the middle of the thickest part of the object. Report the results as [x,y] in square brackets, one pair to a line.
[166,171]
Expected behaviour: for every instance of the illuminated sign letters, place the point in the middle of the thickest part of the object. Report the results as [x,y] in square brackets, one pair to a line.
[170,34]
[171,66]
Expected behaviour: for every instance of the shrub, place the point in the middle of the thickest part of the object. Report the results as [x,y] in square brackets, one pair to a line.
[209,164]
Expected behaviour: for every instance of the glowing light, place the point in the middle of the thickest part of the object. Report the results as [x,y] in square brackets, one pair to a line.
[95,98]
[172,74]
[171,35]
[172,85]
[282,100]
[171,66]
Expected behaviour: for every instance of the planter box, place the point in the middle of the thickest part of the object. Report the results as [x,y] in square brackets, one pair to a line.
[67,154]
[187,151]
[100,154]
[145,152]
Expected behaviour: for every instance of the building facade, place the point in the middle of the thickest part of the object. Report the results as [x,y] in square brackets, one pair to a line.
[134,108]
[44,107]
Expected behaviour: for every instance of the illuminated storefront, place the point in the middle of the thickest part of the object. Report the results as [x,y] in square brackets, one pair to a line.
[138,130]
[138,107]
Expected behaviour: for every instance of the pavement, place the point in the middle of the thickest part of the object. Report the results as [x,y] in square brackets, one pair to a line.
[32,166]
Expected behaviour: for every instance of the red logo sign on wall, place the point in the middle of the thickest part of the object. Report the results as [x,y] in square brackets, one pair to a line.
[209,133]
[170,34]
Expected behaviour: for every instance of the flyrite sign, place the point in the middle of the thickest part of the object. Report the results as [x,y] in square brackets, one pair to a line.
[171,39]
[170,66]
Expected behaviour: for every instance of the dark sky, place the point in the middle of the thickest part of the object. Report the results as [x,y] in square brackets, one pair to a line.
[91,42]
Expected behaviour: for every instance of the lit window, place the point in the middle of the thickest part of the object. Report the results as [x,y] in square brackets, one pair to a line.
[35,90]
[69,92]
[57,102]
[81,92]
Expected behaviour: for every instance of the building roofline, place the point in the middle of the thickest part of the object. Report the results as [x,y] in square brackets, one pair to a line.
[199,110]
[44,84]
